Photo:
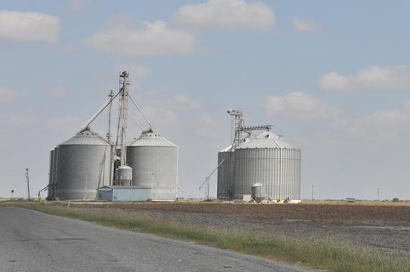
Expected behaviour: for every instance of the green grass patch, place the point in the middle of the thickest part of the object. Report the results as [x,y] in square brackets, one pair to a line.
[324,253]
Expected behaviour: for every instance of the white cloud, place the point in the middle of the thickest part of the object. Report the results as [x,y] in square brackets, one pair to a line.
[165,113]
[305,25]
[383,124]
[181,102]
[78,5]
[6,94]
[28,26]
[373,78]
[227,14]
[144,39]
[299,105]
[66,124]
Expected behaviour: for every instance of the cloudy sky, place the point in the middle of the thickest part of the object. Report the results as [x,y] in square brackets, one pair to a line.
[333,77]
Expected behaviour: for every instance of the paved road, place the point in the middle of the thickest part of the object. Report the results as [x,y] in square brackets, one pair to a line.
[33,241]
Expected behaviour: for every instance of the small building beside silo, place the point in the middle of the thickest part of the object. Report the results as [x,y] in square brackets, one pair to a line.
[154,163]
[264,159]
[123,193]
[82,165]
[123,175]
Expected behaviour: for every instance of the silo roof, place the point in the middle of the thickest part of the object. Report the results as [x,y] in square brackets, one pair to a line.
[266,139]
[151,138]
[86,137]
[227,149]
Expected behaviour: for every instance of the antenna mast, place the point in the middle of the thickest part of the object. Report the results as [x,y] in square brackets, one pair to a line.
[124,83]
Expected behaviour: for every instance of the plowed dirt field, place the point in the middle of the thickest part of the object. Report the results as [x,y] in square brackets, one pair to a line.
[384,226]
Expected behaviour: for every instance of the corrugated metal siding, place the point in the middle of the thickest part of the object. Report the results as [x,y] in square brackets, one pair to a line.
[155,167]
[53,173]
[80,169]
[225,174]
[81,165]
[55,177]
[277,169]
[50,175]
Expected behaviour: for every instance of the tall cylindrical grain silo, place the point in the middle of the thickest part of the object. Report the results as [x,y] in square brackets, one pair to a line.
[53,173]
[269,160]
[83,165]
[154,163]
[225,173]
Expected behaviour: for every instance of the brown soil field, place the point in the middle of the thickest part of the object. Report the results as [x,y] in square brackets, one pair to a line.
[335,213]
[381,226]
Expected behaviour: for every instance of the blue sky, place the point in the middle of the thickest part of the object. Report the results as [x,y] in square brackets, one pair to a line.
[332,77]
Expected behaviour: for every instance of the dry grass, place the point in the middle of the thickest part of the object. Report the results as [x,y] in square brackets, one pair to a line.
[322,253]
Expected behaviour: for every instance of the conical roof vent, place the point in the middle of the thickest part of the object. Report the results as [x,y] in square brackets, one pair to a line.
[151,138]
[266,139]
[86,137]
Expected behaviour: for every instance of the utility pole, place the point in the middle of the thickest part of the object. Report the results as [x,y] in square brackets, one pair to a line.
[313,188]
[28,184]
[110,97]
[112,149]
[378,193]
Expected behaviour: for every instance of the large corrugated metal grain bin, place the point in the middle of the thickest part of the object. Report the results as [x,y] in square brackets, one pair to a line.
[154,163]
[50,174]
[83,165]
[269,160]
[53,173]
[225,173]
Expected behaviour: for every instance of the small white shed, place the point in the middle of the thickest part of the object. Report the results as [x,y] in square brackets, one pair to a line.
[124,193]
